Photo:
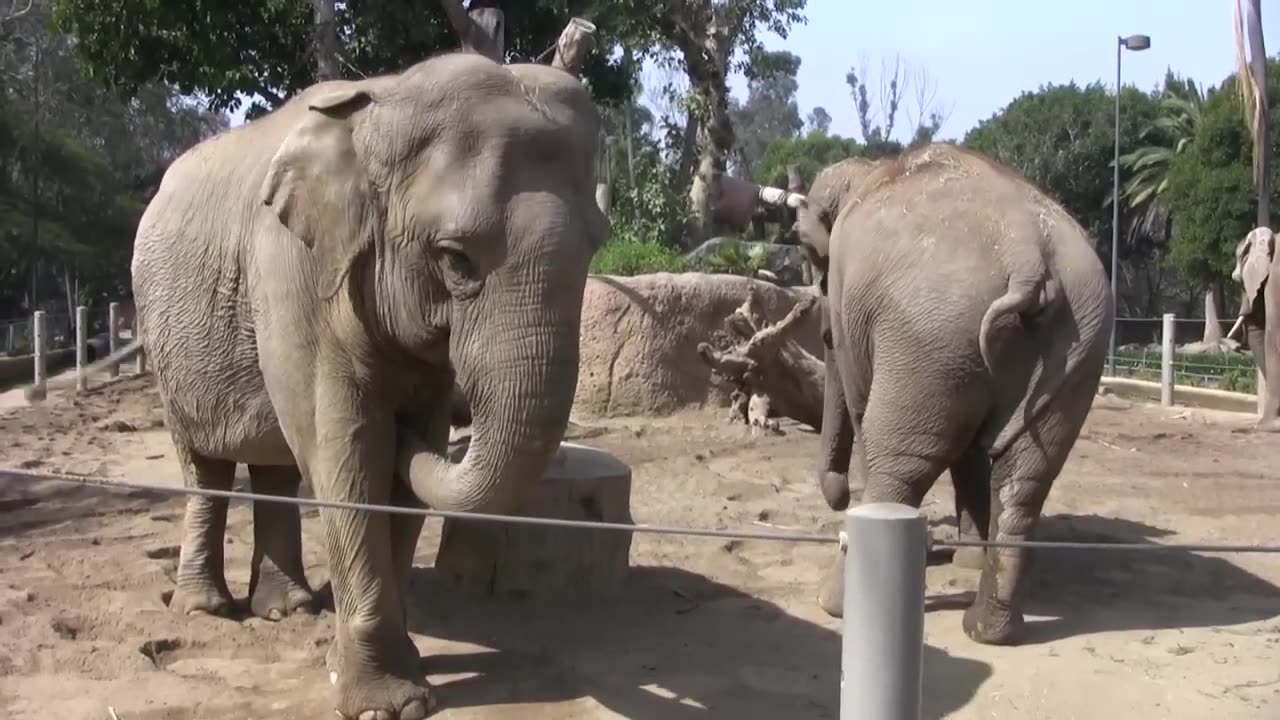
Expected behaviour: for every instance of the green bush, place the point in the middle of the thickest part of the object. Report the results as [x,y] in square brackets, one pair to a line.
[731,258]
[637,257]
[1235,373]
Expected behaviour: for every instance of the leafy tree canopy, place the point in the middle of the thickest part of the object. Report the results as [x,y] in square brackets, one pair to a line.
[221,49]
[811,153]
[1210,192]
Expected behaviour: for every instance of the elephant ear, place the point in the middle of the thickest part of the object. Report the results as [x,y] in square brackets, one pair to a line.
[815,239]
[1254,255]
[319,188]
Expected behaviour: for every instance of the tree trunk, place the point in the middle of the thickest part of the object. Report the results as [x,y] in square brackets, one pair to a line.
[712,158]
[480,27]
[1262,134]
[1212,321]
[771,372]
[576,42]
[325,40]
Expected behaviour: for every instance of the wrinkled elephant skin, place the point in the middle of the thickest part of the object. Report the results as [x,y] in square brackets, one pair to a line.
[969,318]
[309,288]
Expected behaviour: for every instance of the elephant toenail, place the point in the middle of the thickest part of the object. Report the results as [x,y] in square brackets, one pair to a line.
[414,710]
[274,614]
[333,678]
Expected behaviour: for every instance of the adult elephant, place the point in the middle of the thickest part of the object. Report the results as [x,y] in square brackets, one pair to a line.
[832,186]
[969,317]
[310,285]
[1256,262]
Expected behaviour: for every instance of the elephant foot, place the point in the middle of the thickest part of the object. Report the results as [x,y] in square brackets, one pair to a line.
[384,697]
[969,558]
[835,490]
[201,599]
[275,597]
[1269,426]
[988,625]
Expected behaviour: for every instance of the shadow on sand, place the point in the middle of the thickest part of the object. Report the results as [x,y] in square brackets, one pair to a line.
[672,645]
[1083,591]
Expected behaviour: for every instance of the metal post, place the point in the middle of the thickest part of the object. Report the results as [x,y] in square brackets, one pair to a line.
[882,653]
[1115,215]
[38,335]
[13,337]
[142,356]
[113,336]
[1262,391]
[1166,361]
[82,348]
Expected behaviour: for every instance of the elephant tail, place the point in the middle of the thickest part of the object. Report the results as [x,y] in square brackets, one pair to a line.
[1018,299]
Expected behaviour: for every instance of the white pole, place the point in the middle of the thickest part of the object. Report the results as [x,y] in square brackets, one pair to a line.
[13,337]
[82,348]
[1262,390]
[38,340]
[113,336]
[1166,361]
[882,654]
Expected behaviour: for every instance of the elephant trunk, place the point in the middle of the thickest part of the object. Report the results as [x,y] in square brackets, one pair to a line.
[520,408]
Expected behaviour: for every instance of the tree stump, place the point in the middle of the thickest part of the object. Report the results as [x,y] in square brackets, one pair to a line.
[530,561]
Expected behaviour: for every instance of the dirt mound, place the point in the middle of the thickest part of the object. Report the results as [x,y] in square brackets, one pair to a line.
[640,337]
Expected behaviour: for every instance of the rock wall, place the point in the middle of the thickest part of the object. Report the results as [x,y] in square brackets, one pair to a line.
[640,337]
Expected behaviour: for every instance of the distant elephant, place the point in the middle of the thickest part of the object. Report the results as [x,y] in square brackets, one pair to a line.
[307,286]
[969,321]
[1256,262]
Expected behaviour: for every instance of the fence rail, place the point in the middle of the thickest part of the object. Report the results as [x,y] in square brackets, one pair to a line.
[885,548]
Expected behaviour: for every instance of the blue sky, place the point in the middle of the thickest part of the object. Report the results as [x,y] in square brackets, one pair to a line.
[981,54]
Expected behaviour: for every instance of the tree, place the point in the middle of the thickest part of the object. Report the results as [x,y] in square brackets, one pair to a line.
[708,40]
[819,120]
[1211,190]
[226,50]
[1061,137]
[770,111]
[810,153]
[877,124]
[1148,216]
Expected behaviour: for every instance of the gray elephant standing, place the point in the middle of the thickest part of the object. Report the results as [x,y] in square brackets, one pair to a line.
[969,321]
[1256,262]
[309,285]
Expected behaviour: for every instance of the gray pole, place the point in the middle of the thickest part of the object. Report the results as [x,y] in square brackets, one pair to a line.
[1166,361]
[1115,215]
[82,348]
[39,338]
[882,645]
[113,336]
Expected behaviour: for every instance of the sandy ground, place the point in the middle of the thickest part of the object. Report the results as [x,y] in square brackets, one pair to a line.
[704,629]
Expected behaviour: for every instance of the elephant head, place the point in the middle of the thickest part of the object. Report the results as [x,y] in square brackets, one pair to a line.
[1254,257]
[454,204]
[832,189]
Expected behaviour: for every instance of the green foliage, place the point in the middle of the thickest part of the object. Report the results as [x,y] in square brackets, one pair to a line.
[733,258]
[1232,372]
[225,48]
[637,257]
[1210,191]
[811,152]
[770,112]
[1061,137]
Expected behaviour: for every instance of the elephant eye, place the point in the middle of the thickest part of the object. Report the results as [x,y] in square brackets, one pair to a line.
[460,273]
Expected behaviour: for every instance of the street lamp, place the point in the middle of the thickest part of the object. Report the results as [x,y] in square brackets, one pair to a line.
[1135,43]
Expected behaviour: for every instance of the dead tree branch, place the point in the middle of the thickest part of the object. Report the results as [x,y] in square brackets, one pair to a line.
[772,374]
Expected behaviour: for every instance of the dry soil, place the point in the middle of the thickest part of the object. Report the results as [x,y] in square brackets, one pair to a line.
[704,629]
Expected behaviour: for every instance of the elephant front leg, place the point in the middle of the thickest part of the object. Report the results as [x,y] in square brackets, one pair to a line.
[372,662]
[277,582]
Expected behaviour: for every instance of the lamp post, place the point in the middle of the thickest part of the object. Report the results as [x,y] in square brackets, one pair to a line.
[1135,43]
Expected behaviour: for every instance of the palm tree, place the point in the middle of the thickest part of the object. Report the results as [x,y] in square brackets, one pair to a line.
[1149,219]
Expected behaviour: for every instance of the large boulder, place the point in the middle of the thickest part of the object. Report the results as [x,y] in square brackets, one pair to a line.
[640,338]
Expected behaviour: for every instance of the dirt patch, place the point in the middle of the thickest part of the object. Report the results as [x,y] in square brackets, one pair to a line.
[705,628]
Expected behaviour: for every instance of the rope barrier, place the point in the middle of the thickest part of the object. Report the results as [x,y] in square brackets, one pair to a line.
[640,528]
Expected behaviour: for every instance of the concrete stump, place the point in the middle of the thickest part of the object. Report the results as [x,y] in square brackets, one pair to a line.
[530,561]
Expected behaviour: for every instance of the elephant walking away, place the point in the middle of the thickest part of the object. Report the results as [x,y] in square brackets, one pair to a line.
[314,286]
[969,322]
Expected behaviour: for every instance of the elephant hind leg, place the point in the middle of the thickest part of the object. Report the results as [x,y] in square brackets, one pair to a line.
[971,480]
[1020,481]
[202,584]
[277,582]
